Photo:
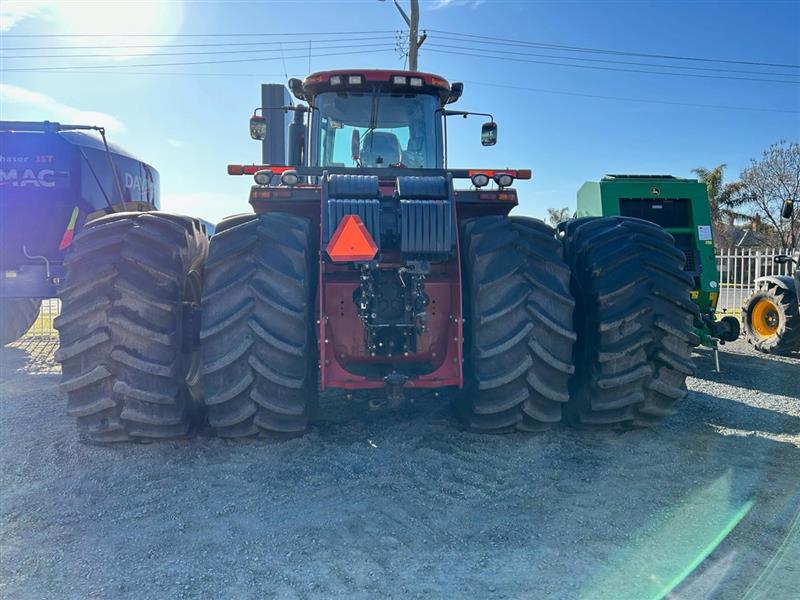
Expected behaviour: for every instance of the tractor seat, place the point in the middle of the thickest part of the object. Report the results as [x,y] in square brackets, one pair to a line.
[380,149]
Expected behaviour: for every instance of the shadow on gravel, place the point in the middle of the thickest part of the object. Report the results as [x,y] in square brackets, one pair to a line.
[11,360]
[753,371]
[31,355]
[736,415]
[396,504]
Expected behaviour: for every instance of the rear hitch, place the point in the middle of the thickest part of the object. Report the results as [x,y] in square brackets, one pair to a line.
[391,304]
[395,396]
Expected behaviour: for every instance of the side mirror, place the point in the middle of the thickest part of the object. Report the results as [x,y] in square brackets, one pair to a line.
[355,145]
[787,209]
[489,133]
[258,127]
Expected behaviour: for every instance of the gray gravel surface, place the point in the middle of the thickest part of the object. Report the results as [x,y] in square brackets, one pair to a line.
[405,504]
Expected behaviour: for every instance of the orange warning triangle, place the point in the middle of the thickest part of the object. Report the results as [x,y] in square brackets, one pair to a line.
[351,241]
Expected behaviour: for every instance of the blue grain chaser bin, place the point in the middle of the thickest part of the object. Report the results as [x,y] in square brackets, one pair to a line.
[53,179]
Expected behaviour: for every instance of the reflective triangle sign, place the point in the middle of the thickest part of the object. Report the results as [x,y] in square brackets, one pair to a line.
[351,241]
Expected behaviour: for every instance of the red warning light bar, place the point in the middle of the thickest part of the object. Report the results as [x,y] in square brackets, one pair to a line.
[253,169]
[351,241]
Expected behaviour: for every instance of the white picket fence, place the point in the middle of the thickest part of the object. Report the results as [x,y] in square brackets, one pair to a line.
[740,267]
[43,326]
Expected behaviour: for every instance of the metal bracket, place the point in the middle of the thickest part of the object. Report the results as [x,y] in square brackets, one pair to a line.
[394,388]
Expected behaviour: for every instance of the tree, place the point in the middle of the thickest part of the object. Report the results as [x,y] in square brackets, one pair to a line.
[771,180]
[723,199]
[557,215]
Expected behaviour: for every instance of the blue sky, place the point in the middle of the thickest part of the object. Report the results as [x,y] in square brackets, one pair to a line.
[189,121]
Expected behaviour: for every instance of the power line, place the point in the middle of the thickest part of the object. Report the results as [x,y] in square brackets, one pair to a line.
[316,34]
[263,76]
[364,39]
[625,99]
[497,40]
[613,62]
[81,71]
[251,51]
[377,48]
[558,64]
[189,35]
[302,42]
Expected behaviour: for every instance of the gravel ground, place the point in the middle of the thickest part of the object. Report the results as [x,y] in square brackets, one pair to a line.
[405,504]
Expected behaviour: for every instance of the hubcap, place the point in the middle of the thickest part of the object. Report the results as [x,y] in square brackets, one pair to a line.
[765,318]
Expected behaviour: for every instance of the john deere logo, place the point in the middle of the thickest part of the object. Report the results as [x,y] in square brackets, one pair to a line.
[655,191]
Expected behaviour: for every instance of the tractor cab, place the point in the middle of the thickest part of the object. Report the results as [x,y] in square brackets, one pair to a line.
[370,119]
[376,119]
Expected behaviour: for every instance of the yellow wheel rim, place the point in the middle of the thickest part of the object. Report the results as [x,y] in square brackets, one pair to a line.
[765,318]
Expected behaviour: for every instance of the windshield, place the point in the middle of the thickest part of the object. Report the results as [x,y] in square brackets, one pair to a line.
[393,130]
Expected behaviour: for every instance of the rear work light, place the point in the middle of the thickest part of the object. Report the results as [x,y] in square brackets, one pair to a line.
[503,179]
[355,79]
[290,178]
[415,81]
[479,180]
[263,177]
[336,80]
[399,80]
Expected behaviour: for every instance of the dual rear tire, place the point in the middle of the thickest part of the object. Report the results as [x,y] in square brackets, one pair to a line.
[618,283]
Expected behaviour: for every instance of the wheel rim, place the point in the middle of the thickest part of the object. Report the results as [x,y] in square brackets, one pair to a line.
[192,290]
[766,318]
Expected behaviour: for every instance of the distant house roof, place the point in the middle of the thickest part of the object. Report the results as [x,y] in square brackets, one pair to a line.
[744,237]
[749,239]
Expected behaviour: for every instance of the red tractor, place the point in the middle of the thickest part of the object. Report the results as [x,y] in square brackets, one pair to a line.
[363,266]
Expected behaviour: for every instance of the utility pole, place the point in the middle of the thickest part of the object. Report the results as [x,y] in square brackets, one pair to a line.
[414,41]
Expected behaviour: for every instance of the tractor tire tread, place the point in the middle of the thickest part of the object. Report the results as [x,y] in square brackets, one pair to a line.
[634,318]
[120,328]
[258,350]
[519,338]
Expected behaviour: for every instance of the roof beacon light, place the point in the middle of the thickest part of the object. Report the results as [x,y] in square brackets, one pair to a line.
[503,179]
[415,81]
[480,179]
[290,178]
[399,80]
[355,79]
[263,177]
[336,80]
